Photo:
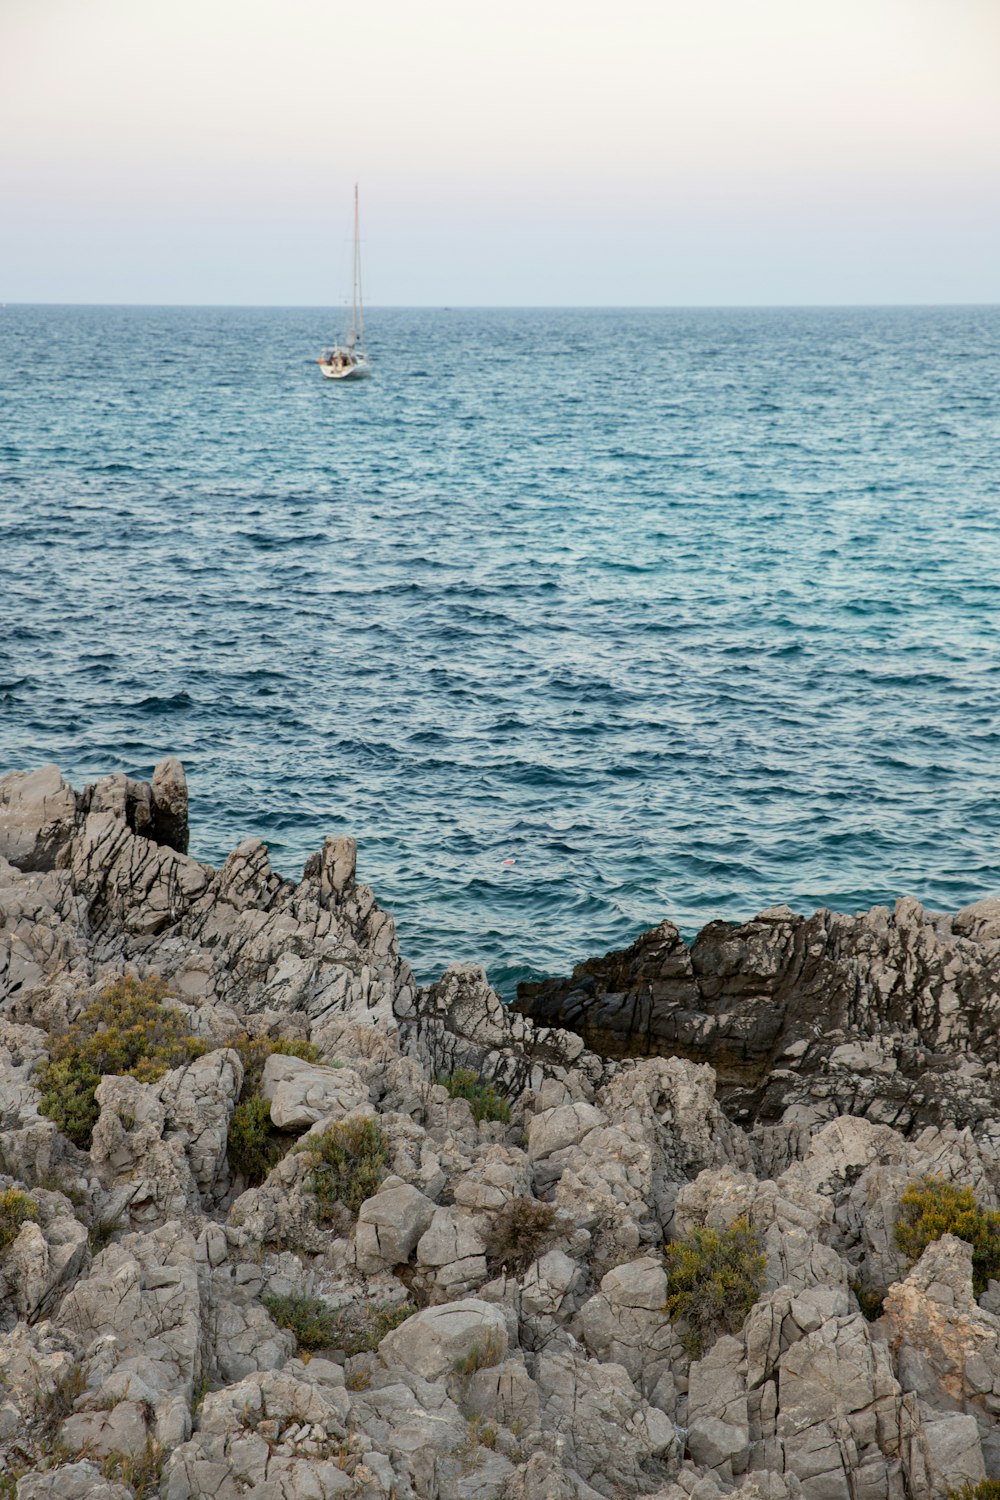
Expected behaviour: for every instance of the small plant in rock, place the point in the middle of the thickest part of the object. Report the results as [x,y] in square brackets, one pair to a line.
[986,1489]
[141,1472]
[16,1208]
[313,1322]
[480,1433]
[933,1207]
[519,1233]
[487,1102]
[355,1329]
[54,1406]
[714,1277]
[869,1301]
[126,1030]
[362,1329]
[353,1157]
[480,1357]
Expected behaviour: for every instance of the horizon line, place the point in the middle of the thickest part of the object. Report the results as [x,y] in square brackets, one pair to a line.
[519,306]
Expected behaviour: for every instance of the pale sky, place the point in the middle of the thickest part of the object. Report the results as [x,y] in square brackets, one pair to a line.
[649,152]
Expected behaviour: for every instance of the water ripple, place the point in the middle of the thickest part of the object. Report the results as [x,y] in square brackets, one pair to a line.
[720,634]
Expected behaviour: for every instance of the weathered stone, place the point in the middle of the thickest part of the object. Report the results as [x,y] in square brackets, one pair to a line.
[300,1093]
[390,1224]
[433,1342]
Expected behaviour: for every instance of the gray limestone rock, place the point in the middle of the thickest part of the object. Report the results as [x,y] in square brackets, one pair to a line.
[390,1224]
[169,798]
[300,1093]
[431,1343]
[37,818]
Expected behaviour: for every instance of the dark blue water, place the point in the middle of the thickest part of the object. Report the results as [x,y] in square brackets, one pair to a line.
[685,612]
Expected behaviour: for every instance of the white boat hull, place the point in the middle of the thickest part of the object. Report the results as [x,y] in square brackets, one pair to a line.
[354,367]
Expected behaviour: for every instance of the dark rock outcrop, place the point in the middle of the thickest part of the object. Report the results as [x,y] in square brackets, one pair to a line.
[891,1015]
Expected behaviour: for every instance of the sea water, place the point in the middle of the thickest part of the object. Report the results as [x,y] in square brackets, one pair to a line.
[576,619]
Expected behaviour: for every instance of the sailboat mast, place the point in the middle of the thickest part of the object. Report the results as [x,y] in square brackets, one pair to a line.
[359,309]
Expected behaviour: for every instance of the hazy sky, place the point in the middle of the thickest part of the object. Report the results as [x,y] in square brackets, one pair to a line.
[525,151]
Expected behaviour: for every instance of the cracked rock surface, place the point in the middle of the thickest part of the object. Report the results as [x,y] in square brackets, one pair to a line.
[793,1073]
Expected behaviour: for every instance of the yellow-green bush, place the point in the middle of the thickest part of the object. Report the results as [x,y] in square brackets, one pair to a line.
[486,1100]
[353,1159]
[126,1030]
[933,1207]
[15,1209]
[714,1277]
[986,1489]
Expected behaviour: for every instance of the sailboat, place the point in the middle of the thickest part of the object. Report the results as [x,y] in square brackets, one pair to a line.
[349,361]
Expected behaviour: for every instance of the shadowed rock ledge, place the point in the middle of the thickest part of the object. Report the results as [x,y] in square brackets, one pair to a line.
[892,1015]
[141,1278]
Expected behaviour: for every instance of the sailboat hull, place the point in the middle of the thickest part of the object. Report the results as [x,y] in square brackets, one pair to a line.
[356,368]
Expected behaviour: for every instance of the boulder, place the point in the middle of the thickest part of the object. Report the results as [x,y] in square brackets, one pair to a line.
[300,1093]
[433,1342]
[390,1224]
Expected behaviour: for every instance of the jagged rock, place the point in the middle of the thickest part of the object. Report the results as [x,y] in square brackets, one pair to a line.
[146,1293]
[170,805]
[625,1323]
[555,1129]
[98,1433]
[946,1350]
[863,1051]
[37,815]
[608,1434]
[461,1022]
[861,1015]
[131,1153]
[280,1213]
[79,1481]
[792,1229]
[43,1259]
[273,1433]
[504,1392]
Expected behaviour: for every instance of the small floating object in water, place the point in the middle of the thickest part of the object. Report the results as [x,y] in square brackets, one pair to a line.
[510,861]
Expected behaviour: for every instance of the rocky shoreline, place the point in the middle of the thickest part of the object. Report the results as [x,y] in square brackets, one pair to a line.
[491,1317]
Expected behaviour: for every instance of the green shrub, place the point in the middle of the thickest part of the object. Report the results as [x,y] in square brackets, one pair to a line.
[714,1277]
[519,1233]
[355,1329]
[933,1207]
[353,1158]
[16,1208]
[486,1100]
[869,1301]
[312,1321]
[126,1030]
[986,1489]
[252,1146]
[255,1051]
